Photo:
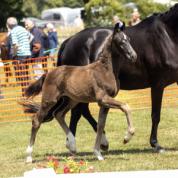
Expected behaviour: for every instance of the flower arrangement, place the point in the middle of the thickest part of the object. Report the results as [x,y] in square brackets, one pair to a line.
[69,165]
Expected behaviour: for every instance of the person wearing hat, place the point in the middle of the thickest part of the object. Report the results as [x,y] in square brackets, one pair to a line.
[20,48]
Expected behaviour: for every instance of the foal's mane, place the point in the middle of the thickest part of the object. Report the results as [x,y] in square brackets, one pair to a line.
[106,49]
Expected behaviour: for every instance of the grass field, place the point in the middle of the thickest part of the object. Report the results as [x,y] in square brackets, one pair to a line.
[137,155]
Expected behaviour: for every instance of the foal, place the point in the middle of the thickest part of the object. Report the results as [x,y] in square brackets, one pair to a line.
[95,82]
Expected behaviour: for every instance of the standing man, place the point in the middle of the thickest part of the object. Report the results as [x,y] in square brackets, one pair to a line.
[20,48]
[37,48]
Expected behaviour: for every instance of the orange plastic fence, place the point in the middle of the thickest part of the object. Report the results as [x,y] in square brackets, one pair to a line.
[15,77]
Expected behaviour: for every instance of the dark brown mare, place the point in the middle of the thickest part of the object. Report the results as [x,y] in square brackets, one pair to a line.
[155,40]
[96,82]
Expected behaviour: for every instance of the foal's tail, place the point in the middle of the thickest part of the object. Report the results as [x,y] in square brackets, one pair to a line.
[32,107]
[36,87]
[29,106]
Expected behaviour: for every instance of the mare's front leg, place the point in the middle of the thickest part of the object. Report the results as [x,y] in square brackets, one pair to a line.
[156,96]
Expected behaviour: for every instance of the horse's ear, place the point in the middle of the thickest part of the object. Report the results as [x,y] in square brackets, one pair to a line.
[119,26]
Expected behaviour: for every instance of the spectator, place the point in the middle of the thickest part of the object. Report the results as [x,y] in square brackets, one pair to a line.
[78,22]
[115,19]
[53,39]
[20,48]
[135,18]
[37,48]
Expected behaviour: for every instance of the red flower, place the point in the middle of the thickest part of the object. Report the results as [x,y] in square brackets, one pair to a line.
[66,169]
[56,163]
[81,162]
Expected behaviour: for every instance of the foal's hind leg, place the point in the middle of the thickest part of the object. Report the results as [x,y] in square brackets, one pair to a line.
[48,101]
[36,122]
[60,116]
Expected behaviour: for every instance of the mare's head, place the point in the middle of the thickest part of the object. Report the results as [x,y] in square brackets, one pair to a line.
[122,43]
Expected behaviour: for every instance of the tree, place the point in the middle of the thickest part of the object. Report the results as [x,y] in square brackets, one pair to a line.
[101,12]
[73,3]
[10,8]
[35,7]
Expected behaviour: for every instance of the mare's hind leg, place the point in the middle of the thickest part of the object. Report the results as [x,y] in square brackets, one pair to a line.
[48,101]
[60,116]
[156,96]
[108,102]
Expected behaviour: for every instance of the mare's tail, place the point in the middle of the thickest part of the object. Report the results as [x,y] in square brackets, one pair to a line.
[36,87]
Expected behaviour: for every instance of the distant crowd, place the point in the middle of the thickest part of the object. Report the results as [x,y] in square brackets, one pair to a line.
[28,42]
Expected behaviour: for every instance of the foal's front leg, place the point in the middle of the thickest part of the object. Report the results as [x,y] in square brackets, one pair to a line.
[109,102]
[101,124]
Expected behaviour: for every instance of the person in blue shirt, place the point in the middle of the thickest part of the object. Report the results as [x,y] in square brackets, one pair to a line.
[37,48]
[52,38]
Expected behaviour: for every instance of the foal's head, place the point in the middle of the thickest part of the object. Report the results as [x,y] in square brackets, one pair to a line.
[122,43]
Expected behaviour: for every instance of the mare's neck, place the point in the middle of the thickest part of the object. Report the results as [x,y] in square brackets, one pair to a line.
[170,18]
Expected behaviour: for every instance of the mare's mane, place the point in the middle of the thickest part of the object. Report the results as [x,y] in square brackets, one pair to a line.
[163,16]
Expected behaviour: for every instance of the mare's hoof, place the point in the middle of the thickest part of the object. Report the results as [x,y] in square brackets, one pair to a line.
[159,149]
[104,147]
[29,159]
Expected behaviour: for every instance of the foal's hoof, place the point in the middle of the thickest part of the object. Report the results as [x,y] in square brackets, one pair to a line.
[104,143]
[98,155]
[71,147]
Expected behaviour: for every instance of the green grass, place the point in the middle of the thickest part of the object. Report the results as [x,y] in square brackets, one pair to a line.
[136,155]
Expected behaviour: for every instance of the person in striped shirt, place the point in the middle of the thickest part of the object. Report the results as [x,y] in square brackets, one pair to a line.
[20,48]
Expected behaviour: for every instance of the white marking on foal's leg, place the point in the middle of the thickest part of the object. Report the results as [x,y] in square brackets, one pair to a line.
[129,135]
[29,151]
[70,142]
[98,155]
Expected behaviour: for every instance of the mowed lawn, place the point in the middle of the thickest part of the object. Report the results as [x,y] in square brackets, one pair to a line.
[136,155]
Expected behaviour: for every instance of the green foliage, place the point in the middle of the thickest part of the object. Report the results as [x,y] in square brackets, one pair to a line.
[73,3]
[148,7]
[100,12]
[9,8]
[35,7]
